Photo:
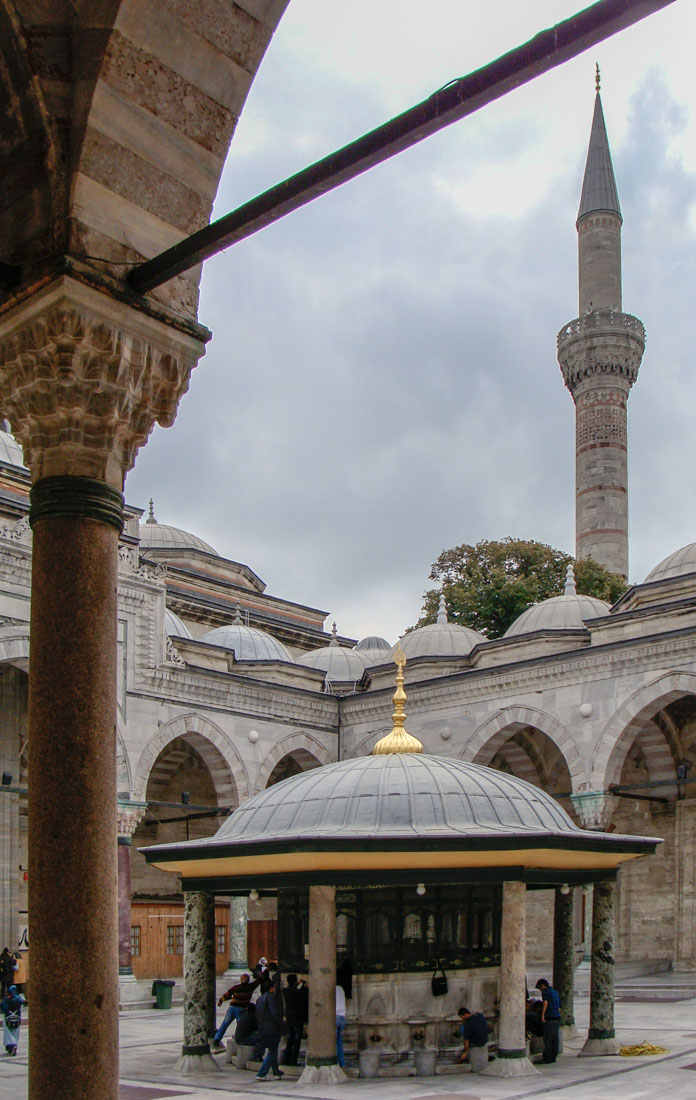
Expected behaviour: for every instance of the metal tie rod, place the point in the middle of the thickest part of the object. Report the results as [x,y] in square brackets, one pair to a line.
[456,100]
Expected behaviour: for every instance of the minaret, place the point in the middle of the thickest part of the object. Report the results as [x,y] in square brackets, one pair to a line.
[599,354]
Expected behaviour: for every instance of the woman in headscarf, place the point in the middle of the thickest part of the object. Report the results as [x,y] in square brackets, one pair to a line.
[11,1008]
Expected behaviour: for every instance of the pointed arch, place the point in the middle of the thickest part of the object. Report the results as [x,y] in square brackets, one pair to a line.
[215,747]
[633,719]
[297,743]
[496,730]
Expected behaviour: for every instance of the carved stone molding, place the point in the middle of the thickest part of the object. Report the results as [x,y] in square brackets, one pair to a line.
[17,532]
[84,378]
[129,561]
[594,809]
[602,345]
[129,817]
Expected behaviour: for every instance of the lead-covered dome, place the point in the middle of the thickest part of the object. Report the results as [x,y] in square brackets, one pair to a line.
[160,536]
[374,650]
[174,627]
[10,450]
[678,564]
[440,639]
[566,612]
[399,795]
[248,643]
[341,664]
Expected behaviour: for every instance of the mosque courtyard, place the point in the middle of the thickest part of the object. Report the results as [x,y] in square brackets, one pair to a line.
[150,1042]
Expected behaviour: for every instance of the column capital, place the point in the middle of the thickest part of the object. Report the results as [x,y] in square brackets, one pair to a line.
[84,378]
[594,809]
[129,817]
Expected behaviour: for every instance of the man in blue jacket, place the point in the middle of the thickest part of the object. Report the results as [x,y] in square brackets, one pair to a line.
[550,1018]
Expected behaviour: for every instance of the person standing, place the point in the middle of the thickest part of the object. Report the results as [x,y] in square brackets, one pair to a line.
[340,1023]
[11,1008]
[474,1031]
[270,1018]
[551,1019]
[8,965]
[295,996]
[240,997]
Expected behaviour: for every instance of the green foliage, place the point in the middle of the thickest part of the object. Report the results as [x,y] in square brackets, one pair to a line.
[487,586]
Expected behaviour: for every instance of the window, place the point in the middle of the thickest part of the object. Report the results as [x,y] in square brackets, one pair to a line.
[135,939]
[220,939]
[175,939]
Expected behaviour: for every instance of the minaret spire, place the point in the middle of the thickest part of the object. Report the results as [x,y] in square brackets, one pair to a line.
[599,354]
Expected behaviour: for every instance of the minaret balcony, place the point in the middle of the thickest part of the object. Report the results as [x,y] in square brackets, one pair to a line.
[603,342]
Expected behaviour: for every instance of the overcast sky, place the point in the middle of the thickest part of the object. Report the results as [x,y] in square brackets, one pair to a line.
[382,382]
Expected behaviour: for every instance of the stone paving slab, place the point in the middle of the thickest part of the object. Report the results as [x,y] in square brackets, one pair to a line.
[151,1042]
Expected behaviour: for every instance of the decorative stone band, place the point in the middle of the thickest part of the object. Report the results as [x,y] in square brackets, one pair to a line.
[204,1048]
[313,1060]
[512,1053]
[76,496]
[604,344]
[84,378]
[601,1033]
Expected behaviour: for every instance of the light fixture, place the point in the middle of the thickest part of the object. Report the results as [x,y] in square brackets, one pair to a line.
[185,798]
[420,889]
[565,888]
[6,779]
[253,895]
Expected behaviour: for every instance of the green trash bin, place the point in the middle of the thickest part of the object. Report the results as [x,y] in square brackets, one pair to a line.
[162,991]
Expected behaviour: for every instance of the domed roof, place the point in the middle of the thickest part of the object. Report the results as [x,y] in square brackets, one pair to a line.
[161,537]
[174,626]
[374,650]
[440,639]
[248,643]
[341,664]
[10,450]
[678,564]
[566,612]
[398,795]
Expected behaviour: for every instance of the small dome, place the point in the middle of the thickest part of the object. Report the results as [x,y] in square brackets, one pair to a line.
[341,665]
[399,795]
[440,639]
[678,564]
[248,643]
[566,612]
[374,650]
[173,625]
[159,536]
[10,450]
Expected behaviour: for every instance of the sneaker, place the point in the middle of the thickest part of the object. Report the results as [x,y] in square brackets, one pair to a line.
[278,1075]
[217,1048]
[260,1078]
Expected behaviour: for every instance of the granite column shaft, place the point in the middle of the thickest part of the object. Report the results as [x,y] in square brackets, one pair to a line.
[601,1038]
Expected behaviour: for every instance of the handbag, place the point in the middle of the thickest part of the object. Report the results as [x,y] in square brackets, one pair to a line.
[438,982]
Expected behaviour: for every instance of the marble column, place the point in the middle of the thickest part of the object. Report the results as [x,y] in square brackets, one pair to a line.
[199,948]
[512,1060]
[564,957]
[322,1063]
[128,819]
[601,1037]
[238,935]
[13,708]
[83,378]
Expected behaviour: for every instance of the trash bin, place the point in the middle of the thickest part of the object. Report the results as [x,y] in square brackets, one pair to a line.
[162,991]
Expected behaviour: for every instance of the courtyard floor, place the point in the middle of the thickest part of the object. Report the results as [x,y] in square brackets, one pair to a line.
[150,1044]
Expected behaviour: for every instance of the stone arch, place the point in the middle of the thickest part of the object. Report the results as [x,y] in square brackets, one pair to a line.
[305,749]
[14,646]
[632,720]
[215,747]
[162,87]
[498,729]
[123,765]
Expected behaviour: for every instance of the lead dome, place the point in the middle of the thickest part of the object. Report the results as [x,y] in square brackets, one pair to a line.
[566,612]
[440,639]
[341,665]
[248,643]
[160,536]
[678,564]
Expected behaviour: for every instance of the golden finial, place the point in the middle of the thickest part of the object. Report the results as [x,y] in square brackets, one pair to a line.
[399,740]
[596,79]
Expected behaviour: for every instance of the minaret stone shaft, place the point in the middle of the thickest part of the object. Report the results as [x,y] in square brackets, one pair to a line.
[599,354]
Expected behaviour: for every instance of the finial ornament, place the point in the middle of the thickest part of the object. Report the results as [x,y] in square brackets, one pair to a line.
[597,80]
[570,589]
[334,636]
[151,517]
[399,740]
[238,620]
[442,609]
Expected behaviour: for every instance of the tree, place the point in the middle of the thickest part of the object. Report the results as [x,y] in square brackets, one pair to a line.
[487,586]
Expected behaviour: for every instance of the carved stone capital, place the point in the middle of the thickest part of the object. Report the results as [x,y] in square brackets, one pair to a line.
[594,809]
[129,817]
[84,378]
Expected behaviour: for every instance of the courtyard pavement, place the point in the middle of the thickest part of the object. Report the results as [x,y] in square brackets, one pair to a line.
[151,1040]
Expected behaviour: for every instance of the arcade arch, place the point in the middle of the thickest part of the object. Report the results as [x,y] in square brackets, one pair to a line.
[530,744]
[298,753]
